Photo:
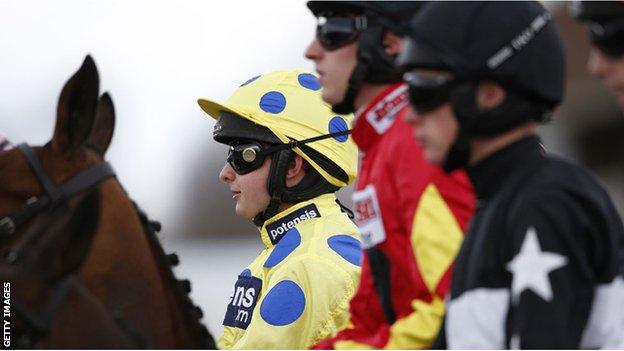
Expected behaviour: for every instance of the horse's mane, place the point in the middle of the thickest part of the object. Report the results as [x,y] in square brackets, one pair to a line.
[181,288]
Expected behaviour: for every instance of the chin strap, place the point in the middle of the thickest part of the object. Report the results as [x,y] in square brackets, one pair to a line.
[373,66]
[458,154]
[276,184]
[515,110]
[311,186]
[356,80]
[276,181]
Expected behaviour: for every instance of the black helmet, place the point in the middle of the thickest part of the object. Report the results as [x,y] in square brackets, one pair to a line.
[394,15]
[515,44]
[374,65]
[596,11]
[606,24]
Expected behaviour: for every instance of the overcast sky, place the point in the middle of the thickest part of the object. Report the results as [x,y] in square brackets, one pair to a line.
[155,58]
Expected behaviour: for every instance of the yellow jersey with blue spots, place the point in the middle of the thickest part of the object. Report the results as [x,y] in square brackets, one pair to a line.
[297,291]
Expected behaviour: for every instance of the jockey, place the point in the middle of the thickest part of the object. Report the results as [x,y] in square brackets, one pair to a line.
[410,213]
[605,28]
[288,155]
[541,266]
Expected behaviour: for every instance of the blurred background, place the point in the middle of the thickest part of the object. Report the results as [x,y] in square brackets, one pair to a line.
[157,57]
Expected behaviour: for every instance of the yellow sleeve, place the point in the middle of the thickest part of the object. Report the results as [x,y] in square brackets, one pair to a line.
[226,341]
[306,300]
[436,239]
[419,329]
[351,345]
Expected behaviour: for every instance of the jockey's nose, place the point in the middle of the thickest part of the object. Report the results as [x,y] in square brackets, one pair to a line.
[227,173]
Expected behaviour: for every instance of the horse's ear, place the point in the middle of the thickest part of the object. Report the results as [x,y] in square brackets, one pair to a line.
[76,108]
[77,240]
[103,126]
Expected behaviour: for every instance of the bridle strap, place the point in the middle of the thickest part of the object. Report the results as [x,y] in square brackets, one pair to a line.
[81,181]
[33,161]
[86,179]
[54,194]
[40,324]
[9,223]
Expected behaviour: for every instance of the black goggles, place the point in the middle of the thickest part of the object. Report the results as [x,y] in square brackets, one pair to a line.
[608,37]
[427,92]
[245,156]
[334,31]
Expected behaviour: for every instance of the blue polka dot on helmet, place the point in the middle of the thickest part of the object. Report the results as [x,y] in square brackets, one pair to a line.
[336,125]
[289,104]
[309,81]
[273,102]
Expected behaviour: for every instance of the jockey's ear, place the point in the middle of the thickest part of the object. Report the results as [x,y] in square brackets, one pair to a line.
[76,108]
[296,170]
[103,125]
[392,43]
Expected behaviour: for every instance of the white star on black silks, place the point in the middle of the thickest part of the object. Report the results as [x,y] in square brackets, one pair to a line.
[531,267]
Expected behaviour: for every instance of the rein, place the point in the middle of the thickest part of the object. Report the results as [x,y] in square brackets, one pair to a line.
[39,324]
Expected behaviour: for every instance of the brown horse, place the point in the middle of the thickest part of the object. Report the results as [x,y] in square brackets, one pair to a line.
[48,306]
[126,269]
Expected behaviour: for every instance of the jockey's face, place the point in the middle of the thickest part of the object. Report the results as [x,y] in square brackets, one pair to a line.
[249,191]
[610,70]
[435,124]
[334,68]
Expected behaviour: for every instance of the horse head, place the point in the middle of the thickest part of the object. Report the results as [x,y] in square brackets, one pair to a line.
[83,131]
[126,268]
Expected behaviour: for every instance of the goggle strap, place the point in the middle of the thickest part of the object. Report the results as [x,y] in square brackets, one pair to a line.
[608,26]
[361,23]
[296,143]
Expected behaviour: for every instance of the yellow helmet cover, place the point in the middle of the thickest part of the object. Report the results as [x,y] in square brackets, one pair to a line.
[289,104]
